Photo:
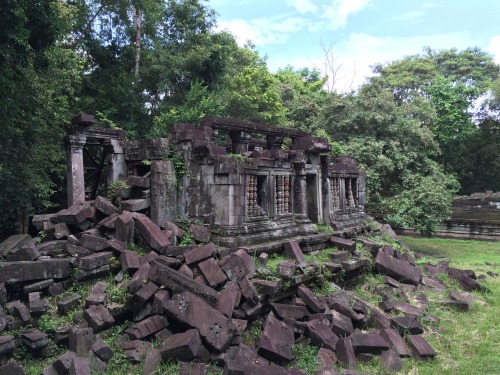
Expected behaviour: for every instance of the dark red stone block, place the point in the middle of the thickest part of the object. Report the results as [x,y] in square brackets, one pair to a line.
[93,243]
[285,311]
[345,353]
[395,341]
[94,260]
[212,272]
[146,327]
[276,341]
[182,346]
[200,253]
[192,368]
[215,329]
[343,243]
[341,324]
[321,335]
[248,291]
[80,340]
[391,361]
[199,233]
[406,324]
[400,270]
[293,250]
[403,307]
[368,343]
[143,295]
[229,298]
[151,233]
[99,317]
[420,347]
[310,299]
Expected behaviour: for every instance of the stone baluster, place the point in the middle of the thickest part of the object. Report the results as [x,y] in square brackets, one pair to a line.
[74,169]
[286,194]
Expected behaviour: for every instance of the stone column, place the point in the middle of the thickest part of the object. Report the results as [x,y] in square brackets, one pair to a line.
[163,191]
[300,190]
[117,167]
[240,141]
[74,169]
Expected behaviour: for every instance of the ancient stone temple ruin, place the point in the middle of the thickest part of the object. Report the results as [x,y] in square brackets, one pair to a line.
[248,183]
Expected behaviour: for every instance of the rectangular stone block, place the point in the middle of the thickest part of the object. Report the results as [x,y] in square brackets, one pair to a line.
[276,341]
[400,270]
[130,261]
[95,260]
[74,214]
[228,299]
[98,317]
[151,233]
[248,291]
[212,272]
[420,347]
[215,329]
[310,299]
[268,287]
[286,311]
[34,270]
[125,227]
[80,340]
[138,204]
[343,243]
[93,243]
[321,335]
[395,341]
[371,343]
[293,250]
[199,253]
[38,286]
[146,327]
[182,346]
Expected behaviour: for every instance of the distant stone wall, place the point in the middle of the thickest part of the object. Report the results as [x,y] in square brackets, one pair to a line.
[476,216]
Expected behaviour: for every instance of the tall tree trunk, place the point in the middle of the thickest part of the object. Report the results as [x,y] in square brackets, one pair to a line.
[137,24]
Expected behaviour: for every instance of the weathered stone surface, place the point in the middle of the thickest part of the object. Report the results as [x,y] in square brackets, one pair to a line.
[130,261]
[186,271]
[420,347]
[52,248]
[39,220]
[406,324]
[80,340]
[94,272]
[94,260]
[326,359]
[73,215]
[68,302]
[38,286]
[97,295]
[182,346]
[215,329]
[286,311]
[63,363]
[343,243]
[151,233]
[339,256]
[105,206]
[27,252]
[199,233]
[93,243]
[390,360]
[7,344]
[212,272]
[79,366]
[125,227]
[96,364]
[293,250]
[199,253]
[345,353]
[50,370]
[234,267]
[395,341]
[463,297]
[77,251]
[192,368]
[19,310]
[433,283]
[34,339]
[321,335]
[168,225]
[99,317]
[11,368]
[178,282]
[229,298]
[332,267]
[400,270]
[248,291]
[403,307]
[341,324]
[368,343]
[276,341]
[151,362]
[286,269]
[268,287]
[140,278]
[102,350]
[13,243]
[146,327]
[310,299]
[37,305]
[137,204]
[463,277]
[169,261]
[136,350]
[142,295]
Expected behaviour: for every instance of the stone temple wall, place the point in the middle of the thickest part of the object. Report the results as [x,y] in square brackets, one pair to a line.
[248,183]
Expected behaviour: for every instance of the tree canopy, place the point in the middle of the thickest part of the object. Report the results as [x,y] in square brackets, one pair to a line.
[423,128]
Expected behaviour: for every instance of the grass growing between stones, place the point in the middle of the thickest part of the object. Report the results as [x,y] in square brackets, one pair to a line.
[466,342]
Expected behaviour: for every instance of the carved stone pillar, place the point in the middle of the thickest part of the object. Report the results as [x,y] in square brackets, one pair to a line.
[240,141]
[163,191]
[74,169]
[117,166]
[300,189]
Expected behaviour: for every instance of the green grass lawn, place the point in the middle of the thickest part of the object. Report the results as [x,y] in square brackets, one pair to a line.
[466,342]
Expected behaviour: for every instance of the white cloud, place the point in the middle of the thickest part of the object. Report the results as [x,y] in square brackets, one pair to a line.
[302,6]
[262,31]
[494,48]
[338,11]
[411,15]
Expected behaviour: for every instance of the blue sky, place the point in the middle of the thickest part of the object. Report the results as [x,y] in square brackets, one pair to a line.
[358,33]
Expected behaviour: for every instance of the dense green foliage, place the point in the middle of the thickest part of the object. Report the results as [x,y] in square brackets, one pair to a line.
[422,128]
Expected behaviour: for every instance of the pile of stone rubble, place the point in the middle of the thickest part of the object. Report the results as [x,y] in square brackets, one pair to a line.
[196,303]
